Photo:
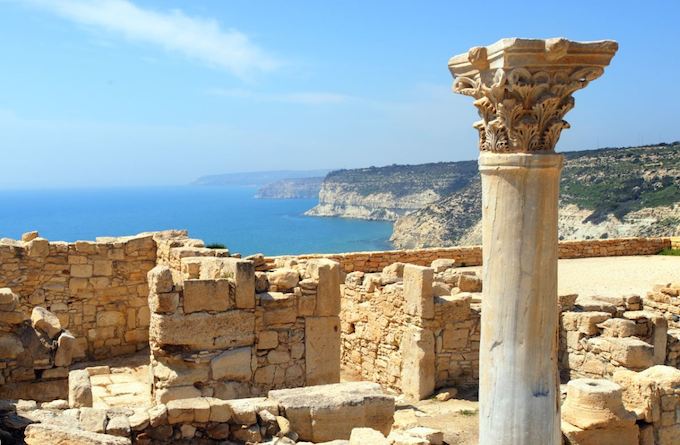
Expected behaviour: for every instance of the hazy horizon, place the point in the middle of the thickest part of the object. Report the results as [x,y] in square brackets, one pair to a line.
[103,93]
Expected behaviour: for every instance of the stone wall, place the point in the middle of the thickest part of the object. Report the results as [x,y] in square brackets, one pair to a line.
[219,328]
[412,328]
[472,255]
[97,289]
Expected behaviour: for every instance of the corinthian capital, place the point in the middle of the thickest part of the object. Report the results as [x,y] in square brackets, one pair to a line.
[523,88]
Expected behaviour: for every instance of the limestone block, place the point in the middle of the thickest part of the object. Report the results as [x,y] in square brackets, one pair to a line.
[284,279]
[164,303]
[234,364]
[182,410]
[102,268]
[322,347]
[595,404]
[66,348]
[431,435]
[79,389]
[244,411]
[177,372]
[220,410]
[47,433]
[45,321]
[393,272]
[278,308]
[363,436]
[93,419]
[267,340]
[418,363]
[29,236]
[584,322]
[81,270]
[250,434]
[630,352]
[165,395]
[261,282]
[160,280]
[243,273]
[624,435]
[158,415]
[110,318]
[327,273]
[401,438]
[139,420]
[617,327]
[206,295]
[38,247]
[441,264]
[330,412]
[12,317]
[203,331]
[10,346]
[418,291]
[640,395]
[469,283]
[118,426]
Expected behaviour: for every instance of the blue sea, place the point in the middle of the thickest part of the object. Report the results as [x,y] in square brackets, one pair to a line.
[227,215]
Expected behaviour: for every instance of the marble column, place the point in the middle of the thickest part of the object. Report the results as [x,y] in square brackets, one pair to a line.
[522,90]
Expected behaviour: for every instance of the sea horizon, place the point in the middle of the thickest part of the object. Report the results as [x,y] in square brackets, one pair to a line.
[228,215]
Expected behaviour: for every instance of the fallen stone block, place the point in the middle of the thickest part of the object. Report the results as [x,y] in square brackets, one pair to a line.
[45,321]
[44,433]
[79,389]
[364,436]
[330,412]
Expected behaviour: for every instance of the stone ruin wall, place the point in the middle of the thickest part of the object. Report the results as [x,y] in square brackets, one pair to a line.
[404,329]
[472,255]
[277,329]
[97,289]
[598,335]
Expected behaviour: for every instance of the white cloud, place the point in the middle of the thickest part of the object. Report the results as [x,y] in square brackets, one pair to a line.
[304,97]
[194,37]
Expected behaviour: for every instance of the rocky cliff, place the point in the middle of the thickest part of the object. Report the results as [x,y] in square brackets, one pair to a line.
[386,193]
[605,193]
[291,189]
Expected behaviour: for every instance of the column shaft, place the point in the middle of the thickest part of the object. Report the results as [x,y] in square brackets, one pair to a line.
[519,383]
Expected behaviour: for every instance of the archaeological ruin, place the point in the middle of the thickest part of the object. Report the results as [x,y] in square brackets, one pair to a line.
[157,339]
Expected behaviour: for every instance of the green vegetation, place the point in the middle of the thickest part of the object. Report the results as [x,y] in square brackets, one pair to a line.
[670,252]
[216,246]
[468,412]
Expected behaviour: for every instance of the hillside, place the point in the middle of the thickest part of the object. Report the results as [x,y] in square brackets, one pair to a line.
[613,192]
[386,193]
[291,189]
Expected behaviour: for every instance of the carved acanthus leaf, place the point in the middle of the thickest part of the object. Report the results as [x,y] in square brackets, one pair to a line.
[521,110]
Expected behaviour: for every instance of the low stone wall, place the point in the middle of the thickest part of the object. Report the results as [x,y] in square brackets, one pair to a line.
[219,328]
[472,255]
[97,289]
[675,242]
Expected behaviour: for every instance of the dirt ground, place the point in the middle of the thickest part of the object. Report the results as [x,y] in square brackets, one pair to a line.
[615,276]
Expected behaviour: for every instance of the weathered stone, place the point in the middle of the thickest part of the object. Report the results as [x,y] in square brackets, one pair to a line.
[45,321]
[327,274]
[44,433]
[267,340]
[182,410]
[617,327]
[160,280]
[29,236]
[441,264]
[164,303]
[278,308]
[418,363]
[204,331]
[244,411]
[93,419]
[139,421]
[158,415]
[363,436]
[469,283]
[430,435]
[250,434]
[284,279]
[8,297]
[206,295]
[243,274]
[66,349]
[593,404]
[261,282]
[79,389]
[38,247]
[329,412]
[393,272]
[322,350]
[234,364]
[220,410]
[419,300]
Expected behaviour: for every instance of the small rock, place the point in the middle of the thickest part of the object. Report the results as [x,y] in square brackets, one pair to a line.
[118,426]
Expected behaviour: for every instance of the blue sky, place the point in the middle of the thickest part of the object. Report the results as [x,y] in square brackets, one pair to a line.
[141,92]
